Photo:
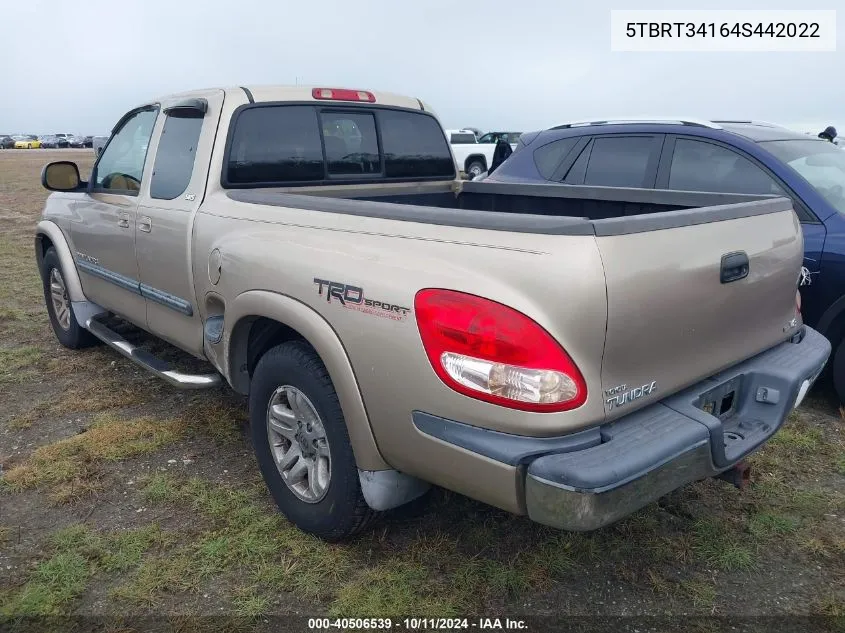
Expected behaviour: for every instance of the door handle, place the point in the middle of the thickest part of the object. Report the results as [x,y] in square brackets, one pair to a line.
[145,224]
[123,223]
[735,266]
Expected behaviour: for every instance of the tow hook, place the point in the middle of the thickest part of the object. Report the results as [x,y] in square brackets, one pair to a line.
[738,475]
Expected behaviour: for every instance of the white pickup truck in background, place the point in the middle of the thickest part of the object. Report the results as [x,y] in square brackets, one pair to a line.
[471,156]
[474,155]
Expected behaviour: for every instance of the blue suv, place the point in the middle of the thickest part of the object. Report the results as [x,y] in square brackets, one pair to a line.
[743,157]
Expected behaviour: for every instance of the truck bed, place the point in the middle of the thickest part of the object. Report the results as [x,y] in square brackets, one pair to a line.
[528,208]
[642,271]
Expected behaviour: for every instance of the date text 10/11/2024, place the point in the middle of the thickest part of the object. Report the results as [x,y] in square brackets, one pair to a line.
[416,624]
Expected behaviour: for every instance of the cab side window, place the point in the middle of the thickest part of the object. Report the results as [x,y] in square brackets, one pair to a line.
[177,149]
[121,164]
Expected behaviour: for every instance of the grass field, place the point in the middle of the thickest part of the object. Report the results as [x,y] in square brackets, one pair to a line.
[122,498]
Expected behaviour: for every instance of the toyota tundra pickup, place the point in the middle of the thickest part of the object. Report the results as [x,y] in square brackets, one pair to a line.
[569,353]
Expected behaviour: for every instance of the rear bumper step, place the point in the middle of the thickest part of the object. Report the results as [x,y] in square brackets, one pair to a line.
[592,478]
[662,447]
[151,363]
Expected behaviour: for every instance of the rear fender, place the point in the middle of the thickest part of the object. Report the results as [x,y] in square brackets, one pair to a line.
[51,231]
[239,316]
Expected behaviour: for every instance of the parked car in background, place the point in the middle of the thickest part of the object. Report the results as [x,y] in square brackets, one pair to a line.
[81,141]
[53,141]
[495,137]
[6,142]
[394,327]
[26,141]
[739,157]
[472,157]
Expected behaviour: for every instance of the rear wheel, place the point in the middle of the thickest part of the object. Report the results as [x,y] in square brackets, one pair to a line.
[475,169]
[59,308]
[302,444]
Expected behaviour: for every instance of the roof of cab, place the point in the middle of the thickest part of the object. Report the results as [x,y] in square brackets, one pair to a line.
[303,93]
[270,93]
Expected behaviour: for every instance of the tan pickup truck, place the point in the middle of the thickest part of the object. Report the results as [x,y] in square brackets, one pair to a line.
[569,353]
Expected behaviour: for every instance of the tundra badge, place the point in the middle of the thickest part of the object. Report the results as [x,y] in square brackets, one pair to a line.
[619,395]
[87,258]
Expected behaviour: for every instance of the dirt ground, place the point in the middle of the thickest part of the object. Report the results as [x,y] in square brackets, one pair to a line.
[128,505]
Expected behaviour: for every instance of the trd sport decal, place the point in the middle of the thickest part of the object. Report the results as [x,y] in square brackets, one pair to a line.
[352,297]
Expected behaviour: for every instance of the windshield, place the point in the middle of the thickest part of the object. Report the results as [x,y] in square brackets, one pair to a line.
[821,163]
[495,137]
[490,137]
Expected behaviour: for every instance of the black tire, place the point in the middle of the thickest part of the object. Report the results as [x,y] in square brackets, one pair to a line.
[838,373]
[74,336]
[342,512]
[475,168]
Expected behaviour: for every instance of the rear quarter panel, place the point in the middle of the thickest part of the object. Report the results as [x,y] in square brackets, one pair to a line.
[556,280]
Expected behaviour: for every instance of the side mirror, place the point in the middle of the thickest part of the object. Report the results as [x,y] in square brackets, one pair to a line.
[63,175]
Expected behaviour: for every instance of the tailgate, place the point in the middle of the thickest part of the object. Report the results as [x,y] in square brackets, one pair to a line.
[674,315]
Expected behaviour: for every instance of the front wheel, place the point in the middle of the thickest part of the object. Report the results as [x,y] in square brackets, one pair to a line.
[59,308]
[302,445]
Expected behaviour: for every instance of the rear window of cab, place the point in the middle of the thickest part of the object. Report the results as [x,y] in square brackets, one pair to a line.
[272,145]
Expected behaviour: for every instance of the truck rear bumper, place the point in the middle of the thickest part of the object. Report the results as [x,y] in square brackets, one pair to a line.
[591,479]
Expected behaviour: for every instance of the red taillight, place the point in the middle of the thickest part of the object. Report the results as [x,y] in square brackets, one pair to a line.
[798,302]
[342,94]
[489,351]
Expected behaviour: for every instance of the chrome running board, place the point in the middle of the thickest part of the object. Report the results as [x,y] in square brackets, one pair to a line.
[151,363]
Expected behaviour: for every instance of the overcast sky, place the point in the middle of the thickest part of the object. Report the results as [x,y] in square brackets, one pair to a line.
[501,64]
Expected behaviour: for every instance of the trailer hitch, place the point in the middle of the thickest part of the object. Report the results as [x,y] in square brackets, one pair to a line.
[739,475]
